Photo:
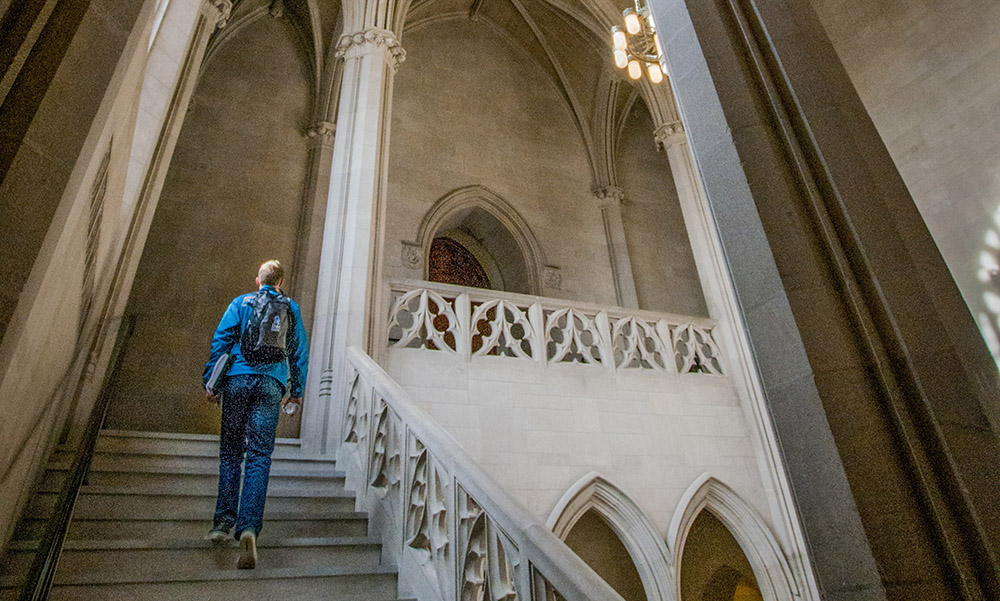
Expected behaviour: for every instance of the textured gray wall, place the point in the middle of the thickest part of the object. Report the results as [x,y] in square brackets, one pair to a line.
[929,74]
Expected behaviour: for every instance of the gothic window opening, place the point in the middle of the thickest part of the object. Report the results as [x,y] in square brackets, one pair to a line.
[452,263]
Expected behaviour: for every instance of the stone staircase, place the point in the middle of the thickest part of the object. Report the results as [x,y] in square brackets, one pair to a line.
[138,528]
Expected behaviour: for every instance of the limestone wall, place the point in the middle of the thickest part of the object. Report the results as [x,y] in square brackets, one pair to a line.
[538,430]
[929,74]
[470,108]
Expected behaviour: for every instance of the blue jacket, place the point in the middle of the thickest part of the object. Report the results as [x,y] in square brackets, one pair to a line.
[291,373]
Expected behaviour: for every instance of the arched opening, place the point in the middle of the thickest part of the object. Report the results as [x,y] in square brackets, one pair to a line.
[597,544]
[472,237]
[715,567]
[723,550]
[473,248]
[603,526]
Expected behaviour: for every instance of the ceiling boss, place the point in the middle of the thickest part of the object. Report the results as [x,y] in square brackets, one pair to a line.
[636,44]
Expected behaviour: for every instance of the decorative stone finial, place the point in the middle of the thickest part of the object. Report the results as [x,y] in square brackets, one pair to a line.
[363,42]
[218,10]
[669,134]
[610,195]
[321,134]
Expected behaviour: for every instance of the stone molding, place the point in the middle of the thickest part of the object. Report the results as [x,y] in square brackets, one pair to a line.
[669,134]
[217,11]
[322,134]
[636,531]
[370,40]
[774,576]
[610,196]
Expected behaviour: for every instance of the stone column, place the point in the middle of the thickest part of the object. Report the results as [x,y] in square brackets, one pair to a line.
[350,259]
[611,200]
[310,230]
[878,384]
[723,307]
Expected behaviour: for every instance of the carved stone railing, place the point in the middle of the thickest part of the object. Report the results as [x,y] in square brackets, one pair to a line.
[473,322]
[455,533]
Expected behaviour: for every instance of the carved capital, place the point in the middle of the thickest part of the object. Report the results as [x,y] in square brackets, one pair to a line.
[321,134]
[551,277]
[670,134]
[217,11]
[412,255]
[371,40]
[610,196]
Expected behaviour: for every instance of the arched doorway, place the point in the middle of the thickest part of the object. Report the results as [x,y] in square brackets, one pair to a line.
[723,550]
[592,538]
[715,567]
[604,526]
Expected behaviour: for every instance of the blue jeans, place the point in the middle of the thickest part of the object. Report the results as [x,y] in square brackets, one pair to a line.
[250,408]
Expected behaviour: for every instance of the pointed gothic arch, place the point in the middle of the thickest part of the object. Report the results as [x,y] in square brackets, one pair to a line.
[629,522]
[706,493]
[466,199]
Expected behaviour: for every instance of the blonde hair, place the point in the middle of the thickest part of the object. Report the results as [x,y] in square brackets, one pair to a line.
[271,273]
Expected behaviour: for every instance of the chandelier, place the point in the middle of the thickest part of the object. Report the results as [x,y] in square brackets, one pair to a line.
[636,44]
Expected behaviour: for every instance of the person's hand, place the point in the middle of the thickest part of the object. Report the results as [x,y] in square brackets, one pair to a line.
[211,398]
[296,402]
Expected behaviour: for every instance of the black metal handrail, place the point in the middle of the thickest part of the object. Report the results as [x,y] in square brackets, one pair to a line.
[43,569]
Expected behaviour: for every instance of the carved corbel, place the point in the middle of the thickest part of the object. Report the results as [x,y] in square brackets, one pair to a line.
[217,11]
[610,196]
[669,134]
[370,40]
[321,134]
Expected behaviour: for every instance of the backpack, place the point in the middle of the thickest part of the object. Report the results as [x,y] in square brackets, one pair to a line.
[266,332]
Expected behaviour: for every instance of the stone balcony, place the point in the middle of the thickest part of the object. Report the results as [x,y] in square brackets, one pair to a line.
[473,323]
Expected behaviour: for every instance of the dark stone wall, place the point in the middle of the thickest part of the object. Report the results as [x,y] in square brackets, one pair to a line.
[46,116]
[872,367]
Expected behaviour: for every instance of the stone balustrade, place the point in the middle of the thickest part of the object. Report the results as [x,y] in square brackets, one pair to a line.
[455,533]
[474,323]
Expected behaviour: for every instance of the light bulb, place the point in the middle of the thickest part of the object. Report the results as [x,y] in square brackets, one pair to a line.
[632,23]
[659,49]
[655,75]
[634,69]
[621,59]
[618,36]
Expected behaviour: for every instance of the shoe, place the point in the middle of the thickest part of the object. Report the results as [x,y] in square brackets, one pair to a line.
[218,535]
[248,551]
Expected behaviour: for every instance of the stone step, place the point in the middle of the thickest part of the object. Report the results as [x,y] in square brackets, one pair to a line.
[194,526]
[203,460]
[287,584]
[190,480]
[135,558]
[181,444]
[124,504]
